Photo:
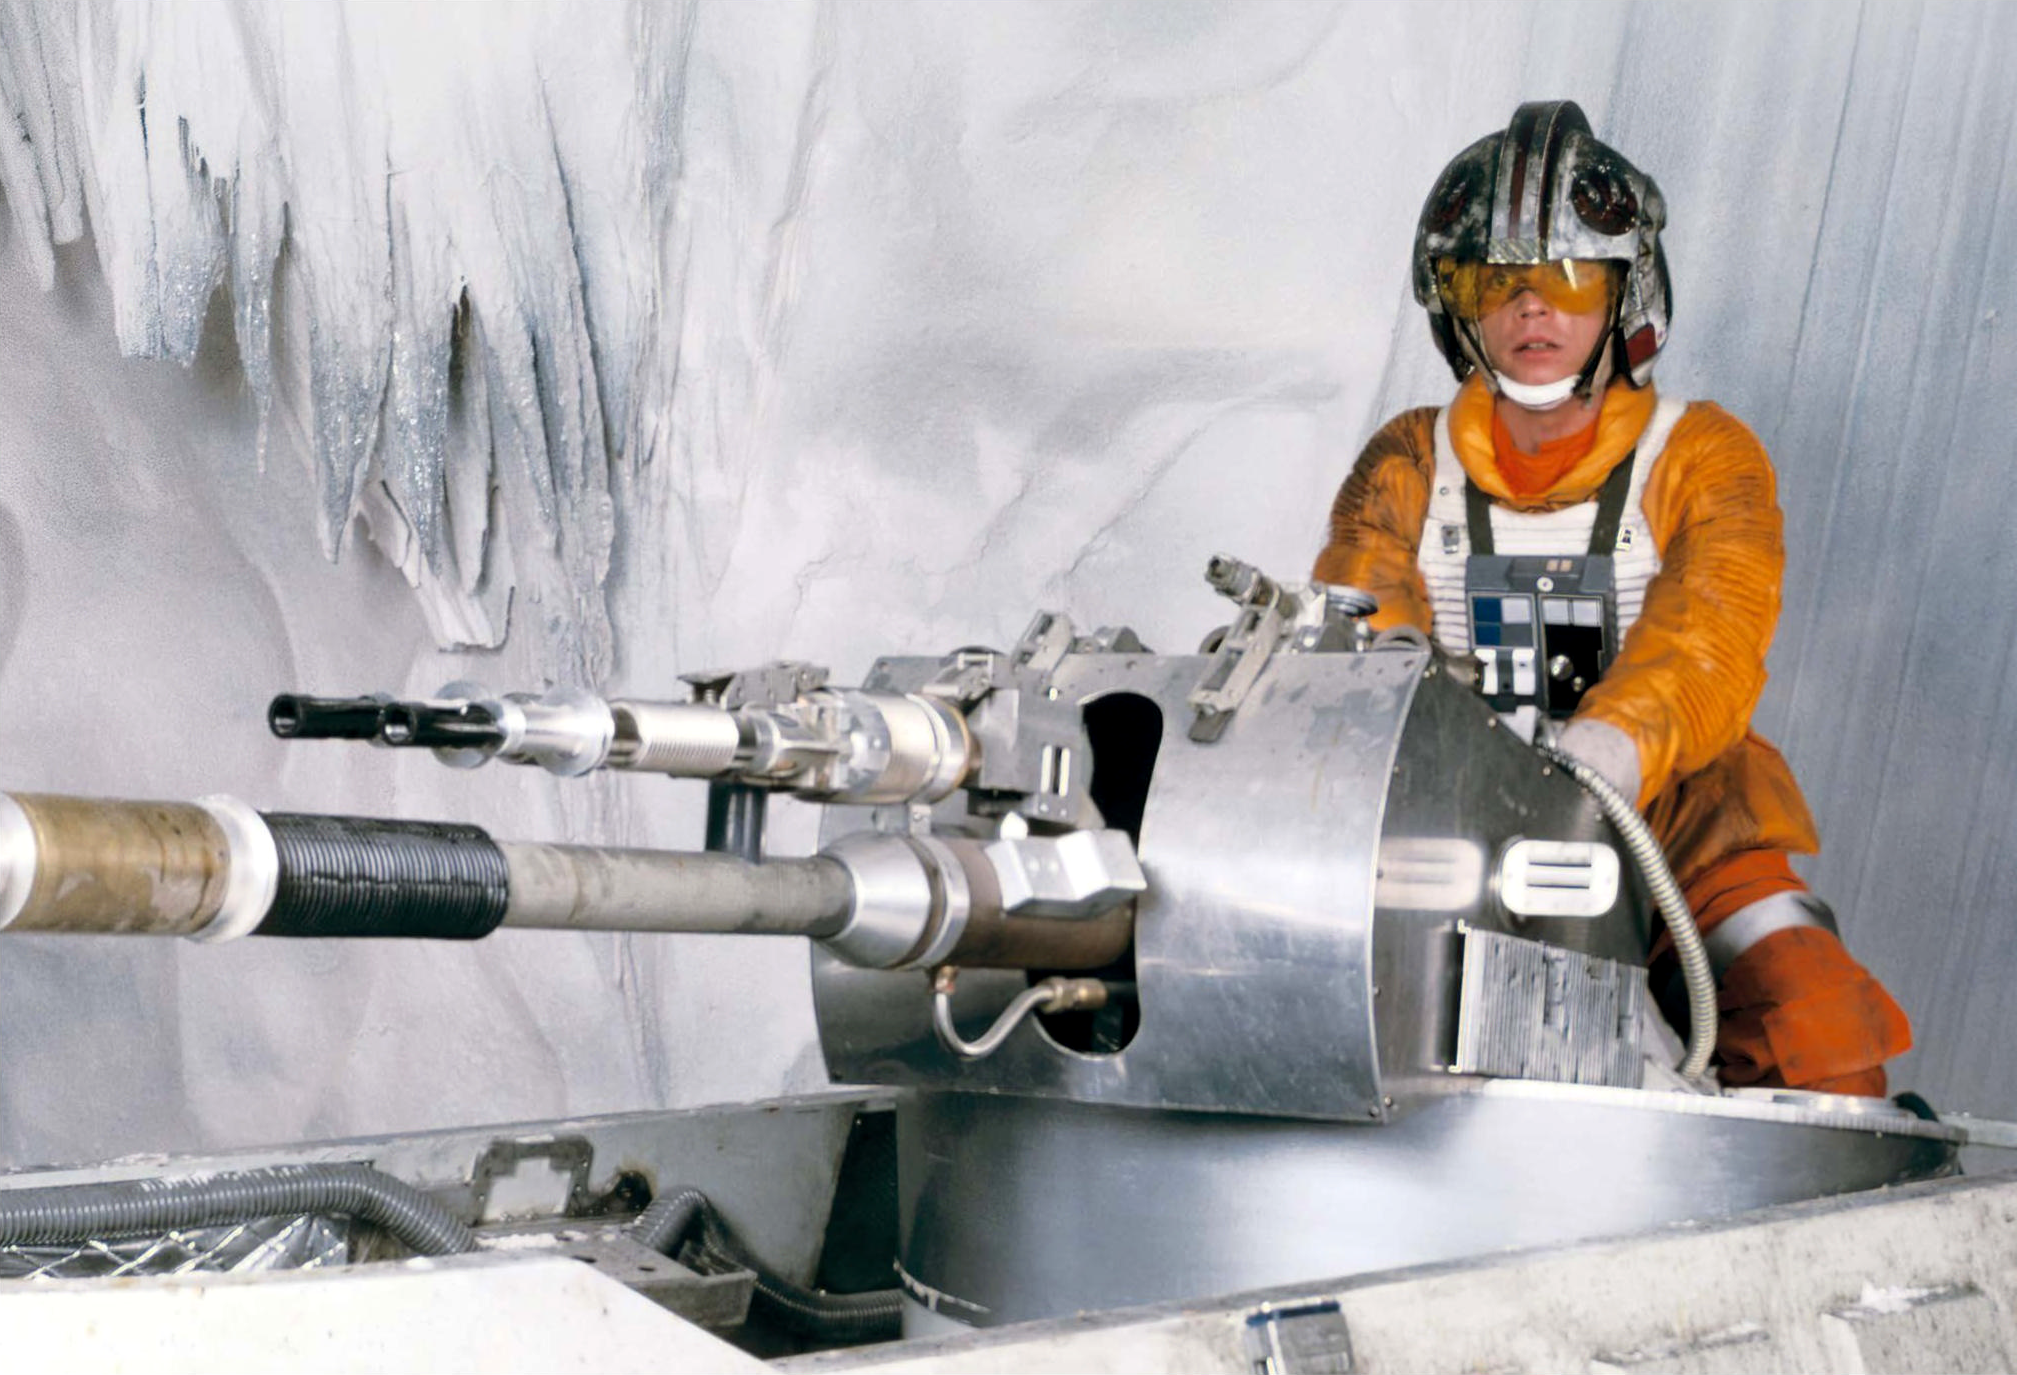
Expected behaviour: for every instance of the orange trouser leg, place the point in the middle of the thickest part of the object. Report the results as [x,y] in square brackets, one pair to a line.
[1797,1010]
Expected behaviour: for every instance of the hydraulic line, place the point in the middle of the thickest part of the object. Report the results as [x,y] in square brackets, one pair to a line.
[135,1207]
[1646,853]
[1055,994]
[843,1319]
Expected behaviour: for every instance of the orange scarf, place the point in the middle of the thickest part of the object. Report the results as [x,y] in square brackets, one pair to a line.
[1621,420]
[1529,475]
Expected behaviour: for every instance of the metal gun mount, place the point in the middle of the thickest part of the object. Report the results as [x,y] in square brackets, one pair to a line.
[1301,873]
[1297,885]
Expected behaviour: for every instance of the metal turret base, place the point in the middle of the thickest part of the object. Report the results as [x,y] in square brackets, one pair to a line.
[1016,1209]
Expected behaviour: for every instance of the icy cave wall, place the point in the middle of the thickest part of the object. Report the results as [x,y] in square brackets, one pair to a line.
[608,343]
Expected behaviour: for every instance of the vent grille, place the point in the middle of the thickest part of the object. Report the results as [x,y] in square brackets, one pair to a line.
[1534,1011]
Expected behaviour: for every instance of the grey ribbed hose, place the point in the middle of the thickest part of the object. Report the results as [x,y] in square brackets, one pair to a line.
[135,1207]
[668,1219]
[1646,853]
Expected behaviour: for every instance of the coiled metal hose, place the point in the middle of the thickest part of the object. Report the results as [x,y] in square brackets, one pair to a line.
[1646,853]
[842,1319]
[135,1207]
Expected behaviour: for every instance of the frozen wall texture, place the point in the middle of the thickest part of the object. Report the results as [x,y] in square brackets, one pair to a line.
[603,344]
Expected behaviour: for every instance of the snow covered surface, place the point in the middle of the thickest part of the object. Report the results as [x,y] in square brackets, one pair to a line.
[615,342]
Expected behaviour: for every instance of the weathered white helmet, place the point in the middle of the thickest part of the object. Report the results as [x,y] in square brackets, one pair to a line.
[1547,190]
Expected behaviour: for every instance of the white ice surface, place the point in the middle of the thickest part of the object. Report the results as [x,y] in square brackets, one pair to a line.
[644,338]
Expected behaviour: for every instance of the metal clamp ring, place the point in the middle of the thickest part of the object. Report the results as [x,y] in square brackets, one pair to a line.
[254,874]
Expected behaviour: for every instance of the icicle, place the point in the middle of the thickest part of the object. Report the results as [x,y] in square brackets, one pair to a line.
[415,449]
[189,252]
[468,466]
[255,223]
[464,288]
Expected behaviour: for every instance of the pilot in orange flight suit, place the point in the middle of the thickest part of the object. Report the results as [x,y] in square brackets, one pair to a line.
[1612,560]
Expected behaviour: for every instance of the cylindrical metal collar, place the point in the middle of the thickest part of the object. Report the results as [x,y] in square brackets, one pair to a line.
[254,875]
[956,903]
[911,900]
[18,856]
[953,748]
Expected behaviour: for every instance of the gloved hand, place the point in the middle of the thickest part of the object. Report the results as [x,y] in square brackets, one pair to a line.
[1799,1011]
[1608,750]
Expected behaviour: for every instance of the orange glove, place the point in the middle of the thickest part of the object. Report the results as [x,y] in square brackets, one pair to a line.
[1798,1012]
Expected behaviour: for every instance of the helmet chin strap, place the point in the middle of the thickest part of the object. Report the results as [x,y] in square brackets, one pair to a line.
[1543,396]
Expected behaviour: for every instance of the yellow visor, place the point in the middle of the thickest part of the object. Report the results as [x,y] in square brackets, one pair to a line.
[1573,286]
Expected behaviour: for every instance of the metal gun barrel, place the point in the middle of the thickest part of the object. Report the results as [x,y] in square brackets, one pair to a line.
[681,739]
[216,869]
[583,887]
[424,725]
[838,745]
[296,716]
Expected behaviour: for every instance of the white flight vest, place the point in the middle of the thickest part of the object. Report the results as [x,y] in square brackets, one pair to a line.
[1446,538]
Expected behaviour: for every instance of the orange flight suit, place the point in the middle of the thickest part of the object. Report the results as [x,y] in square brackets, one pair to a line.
[1796,1009]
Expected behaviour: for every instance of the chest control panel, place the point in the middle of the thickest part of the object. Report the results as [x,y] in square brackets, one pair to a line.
[1542,626]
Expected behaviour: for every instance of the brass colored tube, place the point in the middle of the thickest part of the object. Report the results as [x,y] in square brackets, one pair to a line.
[105,866]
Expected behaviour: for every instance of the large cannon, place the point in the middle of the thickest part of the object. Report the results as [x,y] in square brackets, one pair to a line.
[1206,972]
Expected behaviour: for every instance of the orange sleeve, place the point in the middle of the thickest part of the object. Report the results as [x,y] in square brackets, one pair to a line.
[1693,665]
[1376,521]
